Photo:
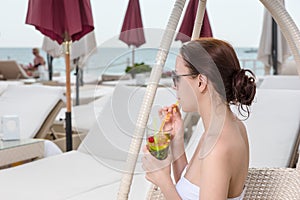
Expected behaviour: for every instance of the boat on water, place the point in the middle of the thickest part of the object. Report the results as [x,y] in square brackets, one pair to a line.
[252,50]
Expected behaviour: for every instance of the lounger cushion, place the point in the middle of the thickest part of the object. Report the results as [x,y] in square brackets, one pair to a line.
[57,177]
[273,127]
[111,136]
[76,175]
[138,190]
[281,82]
[31,103]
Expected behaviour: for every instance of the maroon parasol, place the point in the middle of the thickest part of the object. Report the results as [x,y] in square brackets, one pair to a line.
[186,28]
[132,32]
[63,21]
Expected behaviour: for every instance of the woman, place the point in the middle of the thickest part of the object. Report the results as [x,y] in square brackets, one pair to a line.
[207,79]
[32,69]
[38,59]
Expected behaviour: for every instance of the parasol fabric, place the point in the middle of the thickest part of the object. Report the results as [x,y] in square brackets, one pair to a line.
[264,53]
[82,48]
[187,26]
[56,18]
[132,32]
[80,52]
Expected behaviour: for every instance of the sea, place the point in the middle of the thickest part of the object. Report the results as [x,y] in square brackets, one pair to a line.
[112,60]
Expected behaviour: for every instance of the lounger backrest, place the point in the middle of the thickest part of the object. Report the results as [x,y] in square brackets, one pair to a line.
[10,69]
[111,136]
[33,105]
[273,127]
[281,82]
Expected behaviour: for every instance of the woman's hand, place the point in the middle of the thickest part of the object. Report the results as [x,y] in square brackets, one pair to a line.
[157,171]
[173,119]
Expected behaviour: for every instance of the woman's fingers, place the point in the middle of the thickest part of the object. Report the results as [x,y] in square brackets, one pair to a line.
[150,163]
[145,149]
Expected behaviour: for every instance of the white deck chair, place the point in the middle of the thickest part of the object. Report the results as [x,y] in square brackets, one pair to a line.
[36,106]
[281,82]
[89,173]
[97,165]
[265,121]
[10,69]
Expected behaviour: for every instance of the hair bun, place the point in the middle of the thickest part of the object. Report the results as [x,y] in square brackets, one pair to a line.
[244,87]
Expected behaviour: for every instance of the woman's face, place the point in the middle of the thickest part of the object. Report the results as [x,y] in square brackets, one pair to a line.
[186,87]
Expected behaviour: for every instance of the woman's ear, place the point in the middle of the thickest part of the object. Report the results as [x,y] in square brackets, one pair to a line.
[202,82]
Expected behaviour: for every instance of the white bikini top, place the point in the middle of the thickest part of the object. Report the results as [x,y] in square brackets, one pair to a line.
[190,191]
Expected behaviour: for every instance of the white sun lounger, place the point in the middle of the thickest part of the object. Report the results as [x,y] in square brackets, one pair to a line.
[94,170]
[36,107]
[270,146]
[32,104]
[92,99]
[98,161]
[273,127]
[281,82]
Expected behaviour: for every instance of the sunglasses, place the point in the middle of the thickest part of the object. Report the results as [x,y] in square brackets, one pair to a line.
[176,77]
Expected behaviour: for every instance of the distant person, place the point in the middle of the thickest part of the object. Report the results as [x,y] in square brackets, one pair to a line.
[38,59]
[32,69]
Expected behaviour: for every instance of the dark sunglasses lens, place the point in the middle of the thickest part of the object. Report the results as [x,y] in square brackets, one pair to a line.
[174,80]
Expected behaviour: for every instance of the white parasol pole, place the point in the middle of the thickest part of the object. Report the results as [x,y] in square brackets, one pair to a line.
[199,19]
[148,100]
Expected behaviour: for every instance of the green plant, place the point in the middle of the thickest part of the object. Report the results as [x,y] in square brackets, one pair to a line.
[138,68]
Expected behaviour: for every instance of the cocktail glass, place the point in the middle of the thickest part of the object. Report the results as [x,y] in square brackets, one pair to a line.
[158,142]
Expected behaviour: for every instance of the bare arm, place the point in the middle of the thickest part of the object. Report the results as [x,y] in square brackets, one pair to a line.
[179,156]
[169,191]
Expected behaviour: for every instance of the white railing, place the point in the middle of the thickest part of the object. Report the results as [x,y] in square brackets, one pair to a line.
[255,65]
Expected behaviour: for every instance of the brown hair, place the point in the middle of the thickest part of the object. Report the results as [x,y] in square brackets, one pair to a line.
[36,50]
[234,85]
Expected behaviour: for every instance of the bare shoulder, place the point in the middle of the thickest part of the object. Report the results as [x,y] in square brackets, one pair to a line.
[216,172]
[231,148]
[224,170]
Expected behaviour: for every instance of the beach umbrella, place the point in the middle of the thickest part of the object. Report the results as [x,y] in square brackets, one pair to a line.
[273,48]
[132,32]
[80,52]
[187,25]
[63,21]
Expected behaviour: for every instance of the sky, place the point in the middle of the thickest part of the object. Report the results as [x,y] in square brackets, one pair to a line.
[236,21]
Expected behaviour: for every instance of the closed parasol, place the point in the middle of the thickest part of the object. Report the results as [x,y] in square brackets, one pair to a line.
[187,25]
[273,48]
[63,21]
[132,32]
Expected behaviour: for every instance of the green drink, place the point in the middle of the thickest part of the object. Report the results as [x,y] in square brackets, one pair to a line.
[158,144]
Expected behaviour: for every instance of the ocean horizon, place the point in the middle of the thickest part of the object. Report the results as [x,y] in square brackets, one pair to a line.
[114,60]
